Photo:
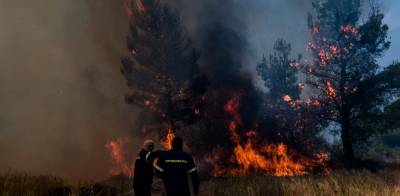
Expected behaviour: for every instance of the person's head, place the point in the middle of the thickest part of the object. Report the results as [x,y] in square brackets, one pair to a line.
[177,143]
[148,145]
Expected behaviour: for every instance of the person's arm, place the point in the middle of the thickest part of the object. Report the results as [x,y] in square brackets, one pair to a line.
[159,166]
[155,155]
[192,171]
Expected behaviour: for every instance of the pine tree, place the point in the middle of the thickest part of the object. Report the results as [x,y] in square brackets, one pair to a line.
[345,51]
[280,72]
[284,113]
[162,72]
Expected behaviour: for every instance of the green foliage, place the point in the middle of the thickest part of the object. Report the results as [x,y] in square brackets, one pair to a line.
[279,73]
[378,107]
[162,70]
[381,147]
[159,43]
[282,115]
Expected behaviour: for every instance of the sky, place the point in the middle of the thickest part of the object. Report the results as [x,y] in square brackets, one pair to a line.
[392,10]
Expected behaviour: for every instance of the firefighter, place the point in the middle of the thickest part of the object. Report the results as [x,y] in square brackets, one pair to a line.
[144,170]
[174,167]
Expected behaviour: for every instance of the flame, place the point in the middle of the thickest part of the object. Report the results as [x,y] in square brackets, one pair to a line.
[167,143]
[334,49]
[128,7]
[139,6]
[152,105]
[329,52]
[272,159]
[120,164]
[312,102]
[131,5]
[350,31]
[294,65]
[147,103]
[331,90]
[250,156]
[294,103]
[287,98]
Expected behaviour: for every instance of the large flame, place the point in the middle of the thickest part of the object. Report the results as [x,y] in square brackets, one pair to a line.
[250,156]
[120,164]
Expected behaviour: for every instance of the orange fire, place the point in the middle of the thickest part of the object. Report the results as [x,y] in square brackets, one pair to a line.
[131,5]
[167,143]
[250,156]
[350,31]
[294,103]
[287,98]
[271,159]
[120,164]
[331,90]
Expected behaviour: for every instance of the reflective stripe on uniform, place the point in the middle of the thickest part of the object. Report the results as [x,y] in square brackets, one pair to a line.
[147,155]
[159,168]
[192,170]
[175,161]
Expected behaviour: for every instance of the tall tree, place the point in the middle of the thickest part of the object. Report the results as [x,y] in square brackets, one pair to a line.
[279,73]
[162,72]
[379,106]
[284,113]
[345,50]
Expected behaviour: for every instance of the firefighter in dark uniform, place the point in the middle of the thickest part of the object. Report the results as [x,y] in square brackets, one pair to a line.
[144,170]
[174,167]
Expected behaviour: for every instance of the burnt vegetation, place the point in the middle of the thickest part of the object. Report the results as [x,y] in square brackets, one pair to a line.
[187,87]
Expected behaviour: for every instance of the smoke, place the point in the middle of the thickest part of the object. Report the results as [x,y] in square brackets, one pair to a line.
[61,89]
[258,23]
[62,93]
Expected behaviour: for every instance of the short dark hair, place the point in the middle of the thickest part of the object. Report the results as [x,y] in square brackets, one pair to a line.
[177,143]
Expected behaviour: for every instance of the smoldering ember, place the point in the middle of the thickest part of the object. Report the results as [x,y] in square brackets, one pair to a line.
[184,97]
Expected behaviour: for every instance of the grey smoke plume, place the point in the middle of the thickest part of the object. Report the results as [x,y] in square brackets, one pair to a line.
[61,91]
[260,22]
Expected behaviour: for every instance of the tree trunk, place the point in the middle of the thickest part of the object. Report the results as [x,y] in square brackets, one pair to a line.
[347,141]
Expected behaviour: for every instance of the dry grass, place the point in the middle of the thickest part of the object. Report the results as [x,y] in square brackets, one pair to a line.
[385,182]
[23,184]
[16,184]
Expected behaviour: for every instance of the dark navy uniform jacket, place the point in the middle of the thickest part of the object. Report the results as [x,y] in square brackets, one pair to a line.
[174,167]
[144,169]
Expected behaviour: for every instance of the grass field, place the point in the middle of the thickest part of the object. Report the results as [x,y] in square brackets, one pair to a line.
[385,183]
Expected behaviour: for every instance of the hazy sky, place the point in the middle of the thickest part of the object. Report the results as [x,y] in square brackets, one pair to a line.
[393,19]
